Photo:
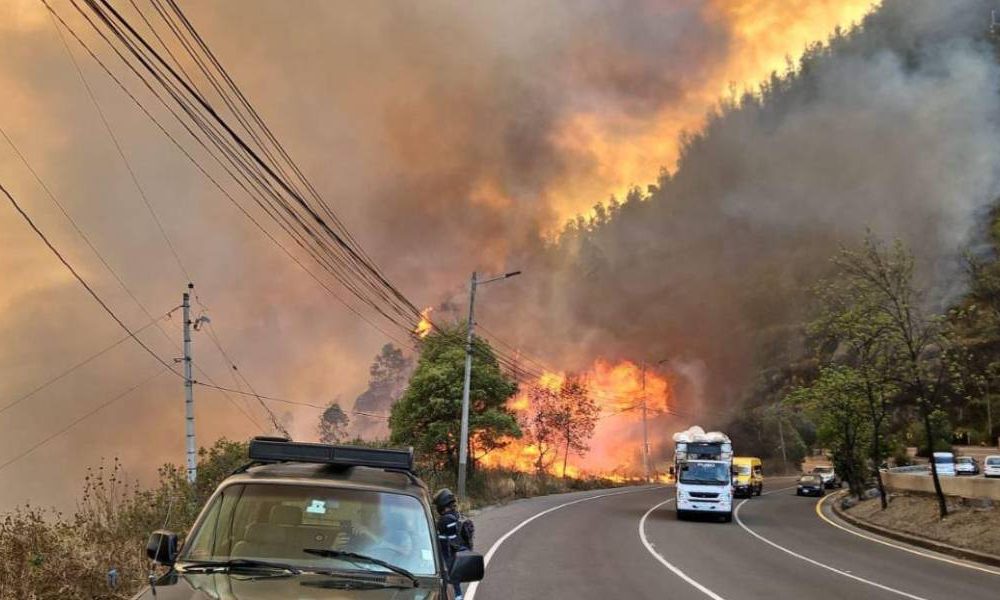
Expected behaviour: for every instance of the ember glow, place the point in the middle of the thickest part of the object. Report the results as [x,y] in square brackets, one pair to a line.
[424,326]
[615,449]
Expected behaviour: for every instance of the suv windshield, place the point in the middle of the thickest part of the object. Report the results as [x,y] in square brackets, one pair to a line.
[278,522]
[809,479]
[705,473]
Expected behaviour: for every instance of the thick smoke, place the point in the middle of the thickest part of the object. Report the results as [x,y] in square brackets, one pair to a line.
[893,128]
[457,136]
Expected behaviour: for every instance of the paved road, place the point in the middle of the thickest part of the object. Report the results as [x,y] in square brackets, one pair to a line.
[589,545]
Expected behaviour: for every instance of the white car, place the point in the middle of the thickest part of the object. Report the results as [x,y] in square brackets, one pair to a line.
[945,464]
[966,465]
[991,466]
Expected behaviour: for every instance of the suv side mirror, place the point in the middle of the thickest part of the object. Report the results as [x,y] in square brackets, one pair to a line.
[468,567]
[162,547]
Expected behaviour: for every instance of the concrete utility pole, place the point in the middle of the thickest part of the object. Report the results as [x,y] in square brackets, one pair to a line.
[192,462]
[645,429]
[781,437]
[463,444]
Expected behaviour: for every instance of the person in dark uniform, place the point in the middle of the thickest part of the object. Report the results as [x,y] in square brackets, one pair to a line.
[449,532]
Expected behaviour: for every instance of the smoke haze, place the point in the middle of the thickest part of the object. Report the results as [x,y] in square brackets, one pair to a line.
[453,137]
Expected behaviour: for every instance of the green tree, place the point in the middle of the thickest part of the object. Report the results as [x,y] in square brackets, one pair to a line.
[836,403]
[883,275]
[333,423]
[860,334]
[428,415]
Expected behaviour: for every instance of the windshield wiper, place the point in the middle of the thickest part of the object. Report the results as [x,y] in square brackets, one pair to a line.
[240,563]
[325,553]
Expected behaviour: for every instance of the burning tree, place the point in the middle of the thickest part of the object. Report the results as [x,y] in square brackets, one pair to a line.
[428,415]
[560,417]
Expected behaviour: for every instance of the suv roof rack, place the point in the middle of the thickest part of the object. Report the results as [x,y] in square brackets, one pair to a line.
[274,450]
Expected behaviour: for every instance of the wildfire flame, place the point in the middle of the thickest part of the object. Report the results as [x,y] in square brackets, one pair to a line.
[425,326]
[616,446]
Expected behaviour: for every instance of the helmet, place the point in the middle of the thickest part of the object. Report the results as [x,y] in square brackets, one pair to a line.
[443,498]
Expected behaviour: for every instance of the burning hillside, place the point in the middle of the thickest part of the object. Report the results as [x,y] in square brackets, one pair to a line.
[610,396]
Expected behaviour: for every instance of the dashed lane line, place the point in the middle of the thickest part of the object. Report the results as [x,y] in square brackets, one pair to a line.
[471,592]
[673,569]
[951,561]
[736,515]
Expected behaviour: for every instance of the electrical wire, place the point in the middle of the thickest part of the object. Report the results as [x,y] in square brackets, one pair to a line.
[83,362]
[84,283]
[80,419]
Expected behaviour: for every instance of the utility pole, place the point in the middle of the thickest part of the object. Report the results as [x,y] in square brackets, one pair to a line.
[645,429]
[989,411]
[463,443]
[781,437]
[192,464]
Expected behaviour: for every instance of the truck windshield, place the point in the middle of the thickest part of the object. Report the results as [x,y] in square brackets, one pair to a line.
[704,473]
[278,522]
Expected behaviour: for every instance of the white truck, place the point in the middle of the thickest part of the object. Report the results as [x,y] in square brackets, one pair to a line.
[703,465]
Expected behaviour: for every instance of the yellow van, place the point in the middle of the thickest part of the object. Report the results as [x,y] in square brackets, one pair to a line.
[749,479]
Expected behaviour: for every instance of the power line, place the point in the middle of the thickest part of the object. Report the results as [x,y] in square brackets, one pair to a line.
[83,282]
[286,401]
[203,170]
[79,420]
[85,361]
[210,331]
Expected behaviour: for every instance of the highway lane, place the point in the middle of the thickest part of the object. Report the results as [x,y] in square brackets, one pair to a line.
[592,548]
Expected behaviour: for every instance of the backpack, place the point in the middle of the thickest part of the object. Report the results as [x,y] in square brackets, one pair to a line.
[466,532]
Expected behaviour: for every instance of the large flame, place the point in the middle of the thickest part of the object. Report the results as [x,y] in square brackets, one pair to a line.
[627,150]
[619,390]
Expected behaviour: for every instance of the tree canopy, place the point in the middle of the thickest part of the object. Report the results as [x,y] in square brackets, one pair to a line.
[428,415]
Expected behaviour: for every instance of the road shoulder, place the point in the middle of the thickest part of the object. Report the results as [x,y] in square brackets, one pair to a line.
[893,537]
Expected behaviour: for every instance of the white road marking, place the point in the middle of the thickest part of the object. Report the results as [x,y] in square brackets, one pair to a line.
[911,550]
[665,562]
[471,592]
[736,515]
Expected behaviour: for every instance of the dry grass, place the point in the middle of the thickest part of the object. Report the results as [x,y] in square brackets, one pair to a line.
[967,526]
[44,554]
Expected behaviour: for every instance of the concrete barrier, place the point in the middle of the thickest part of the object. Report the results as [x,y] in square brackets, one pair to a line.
[964,487]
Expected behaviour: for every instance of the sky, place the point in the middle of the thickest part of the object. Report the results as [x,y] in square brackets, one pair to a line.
[447,136]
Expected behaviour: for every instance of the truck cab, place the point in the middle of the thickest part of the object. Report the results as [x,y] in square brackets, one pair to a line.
[749,479]
[312,520]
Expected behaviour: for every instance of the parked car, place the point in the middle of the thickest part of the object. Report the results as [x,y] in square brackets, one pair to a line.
[810,485]
[966,465]
[991,466]
[829,476]
[945,464]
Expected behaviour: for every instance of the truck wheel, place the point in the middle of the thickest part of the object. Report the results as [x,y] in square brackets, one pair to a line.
[681,515]
[760,489]
[727,517]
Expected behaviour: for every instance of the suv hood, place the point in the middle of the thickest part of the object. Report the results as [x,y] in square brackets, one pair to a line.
[226,586]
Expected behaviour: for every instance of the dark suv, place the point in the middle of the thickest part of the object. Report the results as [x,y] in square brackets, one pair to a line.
[312,521]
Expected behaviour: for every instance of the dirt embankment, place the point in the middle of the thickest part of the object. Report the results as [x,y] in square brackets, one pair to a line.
[971,524]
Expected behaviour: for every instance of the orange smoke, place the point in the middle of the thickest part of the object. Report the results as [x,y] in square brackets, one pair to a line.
[629,150]
[615,448]
[425,326]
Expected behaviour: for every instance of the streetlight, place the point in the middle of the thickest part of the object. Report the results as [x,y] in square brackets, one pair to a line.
[463,448]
